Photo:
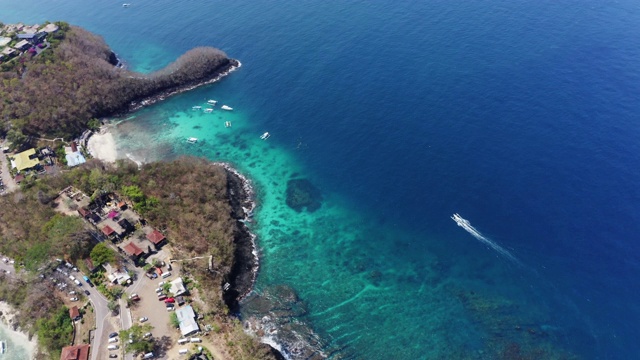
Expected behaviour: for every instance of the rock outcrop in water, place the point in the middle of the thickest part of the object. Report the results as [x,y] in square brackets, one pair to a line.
[301,194]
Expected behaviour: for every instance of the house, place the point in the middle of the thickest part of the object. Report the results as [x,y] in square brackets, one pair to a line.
[73,156]
[177,287]
[9,53]
[26,36]
[4,41]
[84,212]
[108,230]
[50,28]
[117,276]
[126,226]
[122,205]
[187,319]
[31,29]
[156,238]
[77,352]
[25,160]
[22,45]
[74,313]
[95,218]
[89,264]
[39,38]
[133,251]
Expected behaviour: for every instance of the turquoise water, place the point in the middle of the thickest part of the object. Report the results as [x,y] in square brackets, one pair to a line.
[14,349]
[521,117]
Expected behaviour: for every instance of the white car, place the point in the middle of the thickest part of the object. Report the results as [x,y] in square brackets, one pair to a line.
[12,262]
[143,319]
[159,290]
[161,283]
[5,260]
[74,299]
[72,292]
[147,335]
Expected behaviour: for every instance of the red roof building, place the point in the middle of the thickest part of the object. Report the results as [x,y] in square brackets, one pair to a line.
[107,230]
[74,313]
[132,249]
[155,237]
[84,212]
[78,352]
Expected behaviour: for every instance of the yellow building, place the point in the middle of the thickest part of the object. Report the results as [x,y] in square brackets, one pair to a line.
[24,160]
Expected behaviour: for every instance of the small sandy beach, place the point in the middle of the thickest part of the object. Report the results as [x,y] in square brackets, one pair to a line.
[102,146]
[18,341]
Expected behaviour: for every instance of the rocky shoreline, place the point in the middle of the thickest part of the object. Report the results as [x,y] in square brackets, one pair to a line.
[246,262]
[216,75]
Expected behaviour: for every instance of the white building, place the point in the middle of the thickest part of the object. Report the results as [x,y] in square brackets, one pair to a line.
[187,319]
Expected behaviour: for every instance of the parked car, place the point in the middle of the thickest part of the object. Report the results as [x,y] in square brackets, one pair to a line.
[72,292]
[159,290]
[113,356]
[147,335]
[161,283]
[134,297]
[74,299]
[143,319]
[113,334]
[162,297]
[170,300]
[86,292]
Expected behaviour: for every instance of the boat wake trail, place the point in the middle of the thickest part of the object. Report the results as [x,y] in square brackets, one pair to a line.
[465,224]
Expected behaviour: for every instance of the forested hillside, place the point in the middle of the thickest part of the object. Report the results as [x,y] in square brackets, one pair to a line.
[59,91]
[188,199]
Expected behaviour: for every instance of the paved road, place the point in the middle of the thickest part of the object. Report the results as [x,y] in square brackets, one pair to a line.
[102,313]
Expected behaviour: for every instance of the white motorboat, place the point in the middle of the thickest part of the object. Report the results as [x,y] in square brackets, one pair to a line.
[225,107]
[227,123]
[196,107]
[126,5]
[192,140]
[265,136]
[212,102]
[208,111]
[3,347]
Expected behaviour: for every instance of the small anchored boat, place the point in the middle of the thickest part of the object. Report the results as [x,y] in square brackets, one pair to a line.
[126,5]
[208,111]
[212,102]
[192,140]
[265,136]
[3,347]
[196,107]
[227,123]
[225,107]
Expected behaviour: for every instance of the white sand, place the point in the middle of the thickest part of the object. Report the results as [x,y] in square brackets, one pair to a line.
[18,341]
[102,146]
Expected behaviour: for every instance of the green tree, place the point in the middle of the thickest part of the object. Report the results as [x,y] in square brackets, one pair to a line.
[102,254]
[134,193]
[173,320]
[134,339]
[55,332]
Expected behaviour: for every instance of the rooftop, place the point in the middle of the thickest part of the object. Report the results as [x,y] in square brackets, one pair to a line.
[74,313]
[155,237]
[77,352]
[22,161]
[177,287]
[50,28]
[107,230]
[187,319]
[75,159]
[132,249]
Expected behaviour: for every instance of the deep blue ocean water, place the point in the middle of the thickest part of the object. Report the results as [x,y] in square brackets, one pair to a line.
[520,116]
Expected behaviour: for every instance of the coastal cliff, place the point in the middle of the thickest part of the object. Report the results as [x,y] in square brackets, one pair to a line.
[79,80]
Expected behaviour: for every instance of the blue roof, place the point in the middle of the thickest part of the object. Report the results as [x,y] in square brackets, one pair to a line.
[75,159]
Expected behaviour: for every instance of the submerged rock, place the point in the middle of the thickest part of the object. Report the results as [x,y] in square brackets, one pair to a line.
[301,194]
